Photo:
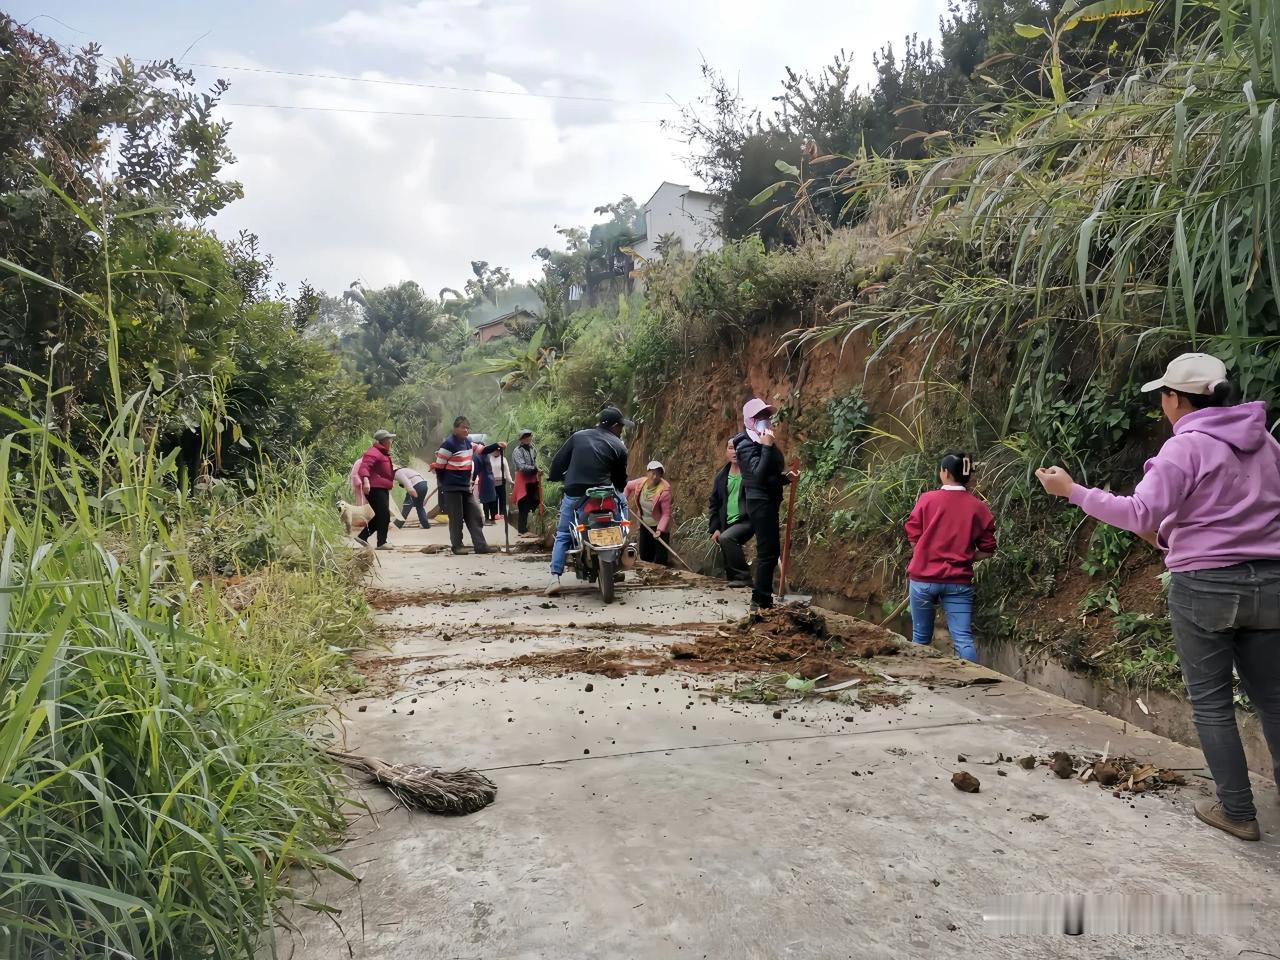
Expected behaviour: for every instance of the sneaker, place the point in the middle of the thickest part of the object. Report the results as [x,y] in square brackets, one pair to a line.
[384,546]
[399,524]
[1210,812]
[458,551]
[553,588]
[482,550]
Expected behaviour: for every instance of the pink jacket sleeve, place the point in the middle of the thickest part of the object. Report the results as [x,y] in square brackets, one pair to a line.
[662,510]
[1162,490]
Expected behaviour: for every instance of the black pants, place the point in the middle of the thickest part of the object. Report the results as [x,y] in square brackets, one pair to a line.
[654,548]
[497,508]
[732,542]
[1222,618]
[380,500]
[764,520]
[527,504]
[416,501]
[462,508]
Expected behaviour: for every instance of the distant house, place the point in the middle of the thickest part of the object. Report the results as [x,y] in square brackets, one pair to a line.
[677,214]
[500,326]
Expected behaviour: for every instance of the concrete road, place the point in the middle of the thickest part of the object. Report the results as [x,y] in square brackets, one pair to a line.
[642,819]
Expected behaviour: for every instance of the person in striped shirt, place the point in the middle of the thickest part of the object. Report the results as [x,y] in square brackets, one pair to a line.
[454,464]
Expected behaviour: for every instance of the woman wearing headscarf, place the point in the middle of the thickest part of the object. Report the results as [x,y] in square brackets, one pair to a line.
[1210,501]
[764,474]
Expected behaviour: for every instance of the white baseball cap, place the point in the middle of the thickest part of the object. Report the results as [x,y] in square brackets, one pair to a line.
[655,465]
[1194,373]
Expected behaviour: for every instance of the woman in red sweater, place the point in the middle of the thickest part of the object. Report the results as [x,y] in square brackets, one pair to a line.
[949,529]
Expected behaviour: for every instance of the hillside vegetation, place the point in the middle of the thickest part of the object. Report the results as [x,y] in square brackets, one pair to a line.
[1005,293]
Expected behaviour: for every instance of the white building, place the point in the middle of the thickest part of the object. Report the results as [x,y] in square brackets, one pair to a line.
[689,216]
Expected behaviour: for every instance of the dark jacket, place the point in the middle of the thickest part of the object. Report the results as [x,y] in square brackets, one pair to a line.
[764,472]
[718,505]
[590,458]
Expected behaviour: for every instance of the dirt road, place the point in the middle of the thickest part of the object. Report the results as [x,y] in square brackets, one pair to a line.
[656,816]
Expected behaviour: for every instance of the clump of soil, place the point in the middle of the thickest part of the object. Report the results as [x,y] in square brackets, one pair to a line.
[601,661]
[1120,774]
[868,699]
[793,638]
[788,634]
[965,782]
[653,576]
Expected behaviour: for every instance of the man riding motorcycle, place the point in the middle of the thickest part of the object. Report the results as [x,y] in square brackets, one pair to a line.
[594,457]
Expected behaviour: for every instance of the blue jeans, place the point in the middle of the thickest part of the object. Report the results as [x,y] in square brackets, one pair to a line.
[569,507]
[957,604]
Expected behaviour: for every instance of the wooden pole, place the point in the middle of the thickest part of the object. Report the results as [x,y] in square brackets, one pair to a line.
[786,542]
[670,549]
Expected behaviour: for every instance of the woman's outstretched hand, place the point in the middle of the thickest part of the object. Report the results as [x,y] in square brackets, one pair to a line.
[1056,481]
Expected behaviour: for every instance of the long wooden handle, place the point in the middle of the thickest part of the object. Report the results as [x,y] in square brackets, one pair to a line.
[786,542]
[670,549]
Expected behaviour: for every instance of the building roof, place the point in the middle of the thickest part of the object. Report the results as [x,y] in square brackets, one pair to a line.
[503,318]
[679,186]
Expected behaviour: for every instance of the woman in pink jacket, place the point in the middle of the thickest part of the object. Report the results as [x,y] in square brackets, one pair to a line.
[1210,500]
[649,499]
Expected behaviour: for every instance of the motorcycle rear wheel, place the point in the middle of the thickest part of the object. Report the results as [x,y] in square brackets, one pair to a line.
[605,579]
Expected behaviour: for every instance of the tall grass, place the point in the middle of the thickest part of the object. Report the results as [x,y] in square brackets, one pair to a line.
[157,780]
[1091,239]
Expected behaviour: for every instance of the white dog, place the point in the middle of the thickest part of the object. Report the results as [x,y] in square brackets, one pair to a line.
[354,518]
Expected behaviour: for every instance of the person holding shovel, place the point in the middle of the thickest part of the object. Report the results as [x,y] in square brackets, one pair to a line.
[649,498]
[728,521]
[764,474]
[525,487]
[1210,502]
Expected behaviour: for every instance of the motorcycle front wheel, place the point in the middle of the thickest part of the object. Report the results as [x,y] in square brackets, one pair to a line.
[607,569]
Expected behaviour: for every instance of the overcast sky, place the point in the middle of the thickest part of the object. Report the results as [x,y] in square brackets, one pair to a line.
[337,195]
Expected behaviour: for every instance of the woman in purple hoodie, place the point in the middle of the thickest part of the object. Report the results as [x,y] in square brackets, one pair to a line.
[1210,500]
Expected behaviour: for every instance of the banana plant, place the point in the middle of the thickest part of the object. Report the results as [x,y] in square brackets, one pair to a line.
[1066,20]
[528,366]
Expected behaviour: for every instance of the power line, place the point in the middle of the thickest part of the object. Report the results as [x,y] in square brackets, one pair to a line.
[401,113]
[422,84]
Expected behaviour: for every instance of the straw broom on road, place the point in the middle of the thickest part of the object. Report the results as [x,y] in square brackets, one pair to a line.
[452,793]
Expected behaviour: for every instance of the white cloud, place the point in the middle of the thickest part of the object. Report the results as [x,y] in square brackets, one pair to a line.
[337,195]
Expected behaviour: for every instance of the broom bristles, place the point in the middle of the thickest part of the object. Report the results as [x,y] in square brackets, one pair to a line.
[448,792]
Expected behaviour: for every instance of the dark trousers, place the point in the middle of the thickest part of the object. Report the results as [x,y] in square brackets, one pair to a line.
[732,543]
[764,521]
[496,508]
[1222,618]
[462,508]
[380,500]
[653,549]
[416,501]
[526,505]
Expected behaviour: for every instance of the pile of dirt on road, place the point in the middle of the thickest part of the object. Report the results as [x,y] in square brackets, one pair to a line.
[788,634]
[792,638]
[1118,774]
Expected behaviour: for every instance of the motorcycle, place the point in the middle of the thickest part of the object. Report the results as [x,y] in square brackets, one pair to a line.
[601,547]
